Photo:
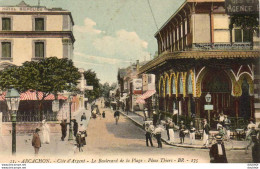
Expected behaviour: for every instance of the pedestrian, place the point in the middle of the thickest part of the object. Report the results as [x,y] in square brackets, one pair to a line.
[217,151]
[116,116]
[226,126]
[252,132]
[181,133]
[192,133]
[75,127]
[221,118]
[149,128]
[155,118]
[45,132]
[83,117]
[256,149]
[206,130]
[158,134]
[104,114]
[36,141]
[171,130]
[63,129]
[167,128]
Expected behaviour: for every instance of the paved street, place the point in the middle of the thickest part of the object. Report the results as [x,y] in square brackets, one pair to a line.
[107,140]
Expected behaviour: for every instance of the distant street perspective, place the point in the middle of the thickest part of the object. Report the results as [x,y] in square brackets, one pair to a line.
[122,81]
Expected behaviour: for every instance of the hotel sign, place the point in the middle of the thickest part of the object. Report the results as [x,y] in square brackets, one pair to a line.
[242,7]
[24,9]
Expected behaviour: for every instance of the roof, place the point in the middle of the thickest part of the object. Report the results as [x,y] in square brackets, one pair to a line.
[25,8]
[198,55]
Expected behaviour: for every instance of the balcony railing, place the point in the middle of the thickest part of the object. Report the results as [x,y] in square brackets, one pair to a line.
[31,117]
[222,46]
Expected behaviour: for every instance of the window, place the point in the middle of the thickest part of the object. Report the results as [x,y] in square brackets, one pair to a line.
[39,49]
[39,24]
[6,24]
[243,35]
[6,49]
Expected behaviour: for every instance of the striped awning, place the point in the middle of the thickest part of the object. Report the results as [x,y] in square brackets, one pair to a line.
[146,95]
[140,101]
[31,95]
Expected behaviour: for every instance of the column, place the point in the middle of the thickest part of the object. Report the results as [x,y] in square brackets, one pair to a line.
[257,91]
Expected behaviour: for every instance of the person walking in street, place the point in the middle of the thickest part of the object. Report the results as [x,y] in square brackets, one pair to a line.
[171,130]
[83,117]
[226,126]
[104,114]
[252,132]
[36,141]
[149,128]
[158,134]
[116,116]
[75,127]
[192,133]
[217,151]
[63,129]
[45,132]
[206,130]
[182,134]
[256,148]
[167,128]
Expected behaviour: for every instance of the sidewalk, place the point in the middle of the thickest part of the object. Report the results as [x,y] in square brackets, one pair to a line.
[138,119]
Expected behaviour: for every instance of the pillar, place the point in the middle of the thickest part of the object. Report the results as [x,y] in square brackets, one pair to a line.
[257,91]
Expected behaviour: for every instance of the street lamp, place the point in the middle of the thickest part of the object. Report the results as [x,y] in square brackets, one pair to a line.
[70,130]
[13,99]
[208,100]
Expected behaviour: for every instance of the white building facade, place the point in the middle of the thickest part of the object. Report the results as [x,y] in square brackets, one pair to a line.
[29,33]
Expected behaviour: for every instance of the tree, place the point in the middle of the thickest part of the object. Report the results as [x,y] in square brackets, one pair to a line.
[49,76]
[92,80]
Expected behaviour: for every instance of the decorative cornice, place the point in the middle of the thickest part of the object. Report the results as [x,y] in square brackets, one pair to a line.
[197,55]
[37,34]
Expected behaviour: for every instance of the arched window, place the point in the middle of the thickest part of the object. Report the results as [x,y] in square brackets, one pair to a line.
[189,84]
[180,85]
[167,87]
[173,86]
[161,88]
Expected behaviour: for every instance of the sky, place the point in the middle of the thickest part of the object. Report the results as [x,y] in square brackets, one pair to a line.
[112,34]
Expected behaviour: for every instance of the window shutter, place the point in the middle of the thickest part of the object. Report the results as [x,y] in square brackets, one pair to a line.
[6,49]
[6,24]
[39,49]
[39,24]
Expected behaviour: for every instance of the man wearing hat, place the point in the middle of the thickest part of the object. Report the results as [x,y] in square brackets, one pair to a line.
[217,151]
[256,148]
[182,134]
[206,129]
[36,141]
[252,132]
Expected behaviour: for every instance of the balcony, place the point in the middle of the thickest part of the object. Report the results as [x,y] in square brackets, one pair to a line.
[222,46]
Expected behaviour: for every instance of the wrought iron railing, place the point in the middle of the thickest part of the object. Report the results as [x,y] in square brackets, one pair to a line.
[31,117]
[223,46]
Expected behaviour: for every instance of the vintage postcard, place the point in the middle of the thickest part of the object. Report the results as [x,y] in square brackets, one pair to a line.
[129,81]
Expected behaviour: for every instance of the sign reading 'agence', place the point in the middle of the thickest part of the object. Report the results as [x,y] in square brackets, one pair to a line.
[242,6]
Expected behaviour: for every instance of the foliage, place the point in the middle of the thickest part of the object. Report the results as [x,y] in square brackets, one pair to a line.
[50,75]
[106,88]
[92,80]
[245,21]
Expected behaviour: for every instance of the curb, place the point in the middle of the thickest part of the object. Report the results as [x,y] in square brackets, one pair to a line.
[176,145]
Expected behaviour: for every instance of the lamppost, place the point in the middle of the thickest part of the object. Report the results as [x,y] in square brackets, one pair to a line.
[13,99]
[208,100]
[70,130]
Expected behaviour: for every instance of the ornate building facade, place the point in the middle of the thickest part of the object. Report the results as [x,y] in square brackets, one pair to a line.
[199,54]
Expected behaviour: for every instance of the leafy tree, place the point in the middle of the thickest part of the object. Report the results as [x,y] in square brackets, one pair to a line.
[49,76]
[92,80]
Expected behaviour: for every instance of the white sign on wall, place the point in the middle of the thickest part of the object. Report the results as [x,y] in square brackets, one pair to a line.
[55,105]
[137,84]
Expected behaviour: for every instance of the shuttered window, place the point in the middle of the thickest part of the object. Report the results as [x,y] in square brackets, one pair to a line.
[39,24]
[6,24]
[6,49]
[39,49]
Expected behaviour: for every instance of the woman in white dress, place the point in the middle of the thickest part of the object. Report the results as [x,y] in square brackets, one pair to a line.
[171,131]
[45,132]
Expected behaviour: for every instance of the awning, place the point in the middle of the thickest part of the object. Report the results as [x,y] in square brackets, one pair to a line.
[146,95]
[140,101]
[31,95]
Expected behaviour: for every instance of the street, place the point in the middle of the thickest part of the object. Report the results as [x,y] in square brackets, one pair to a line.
[108,141]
